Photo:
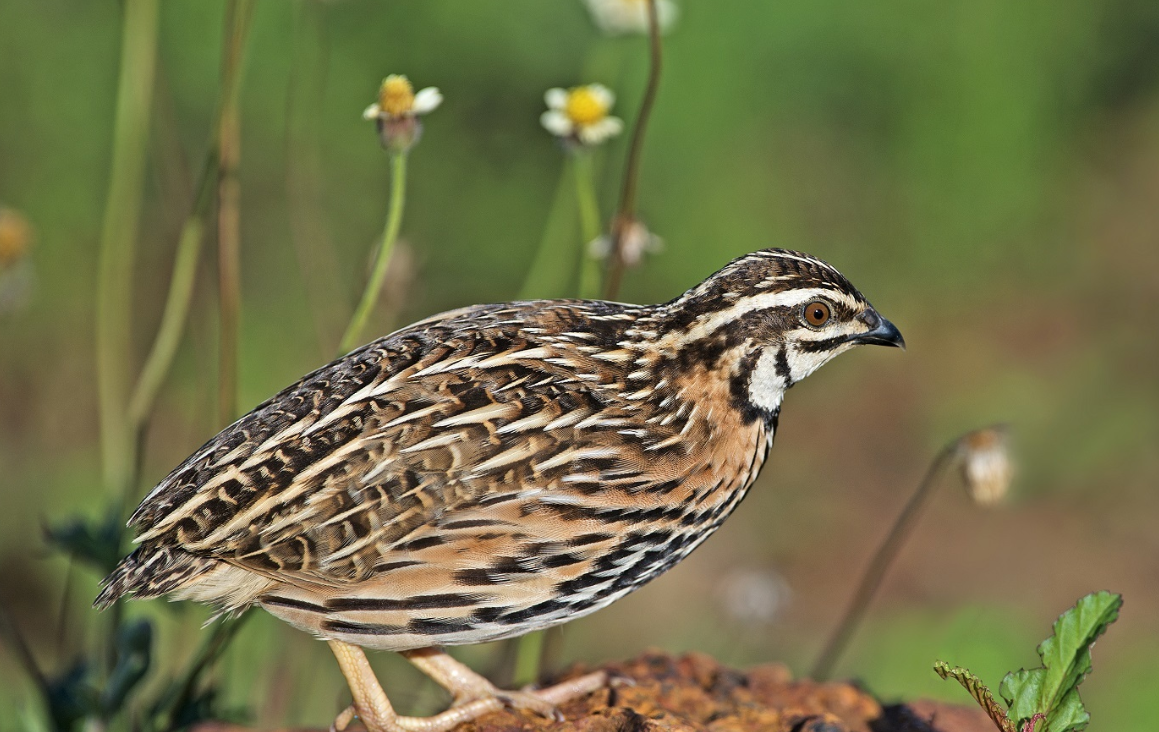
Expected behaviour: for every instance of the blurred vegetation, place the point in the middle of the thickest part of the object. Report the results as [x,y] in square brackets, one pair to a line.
[987,172]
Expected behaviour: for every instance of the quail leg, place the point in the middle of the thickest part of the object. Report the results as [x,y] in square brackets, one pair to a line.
[466,686]
[375,710]
[474,695]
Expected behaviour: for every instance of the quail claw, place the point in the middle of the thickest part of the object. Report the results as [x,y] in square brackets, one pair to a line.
[532,702]
[620,680]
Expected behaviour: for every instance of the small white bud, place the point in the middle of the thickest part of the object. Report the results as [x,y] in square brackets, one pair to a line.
[986,466]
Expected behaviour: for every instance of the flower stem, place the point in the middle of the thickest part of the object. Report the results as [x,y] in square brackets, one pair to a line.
[382,258]
[589,211]
[16,641]
[183,277]
[627,212]
[117,254]
[223,185]
[528,656]
[213,645]
[119,235]
[881,562]
[546,276]
[238,15]
[176,310]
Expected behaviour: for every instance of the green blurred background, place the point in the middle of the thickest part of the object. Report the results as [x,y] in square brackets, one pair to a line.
[987,172]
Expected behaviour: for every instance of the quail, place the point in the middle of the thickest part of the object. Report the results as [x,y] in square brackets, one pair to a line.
[492,471]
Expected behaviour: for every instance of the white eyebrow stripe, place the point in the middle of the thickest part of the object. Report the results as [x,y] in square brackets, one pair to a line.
[711,322]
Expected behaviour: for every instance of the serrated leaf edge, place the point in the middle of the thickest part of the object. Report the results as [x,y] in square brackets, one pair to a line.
[971,683]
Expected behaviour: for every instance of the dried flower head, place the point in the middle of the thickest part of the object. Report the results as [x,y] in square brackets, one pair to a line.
[637,242]
[580,115]
[397,110]
[986,465]
[15,238]
[620,17]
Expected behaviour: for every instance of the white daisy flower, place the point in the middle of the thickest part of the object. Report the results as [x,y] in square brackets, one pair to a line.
[397,110]
[580,114]
[397,99]
[621,17]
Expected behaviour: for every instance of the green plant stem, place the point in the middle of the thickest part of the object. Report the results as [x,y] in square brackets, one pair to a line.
[238,16]
[213,646]
[589,211]
[350,338]
[547,275]
[12,636]
[119,236]
[528,656]
[184,275]
[169,161]
[228,279]
[881,562]
[118,254]
[626,214]
[176,312]
[222,149]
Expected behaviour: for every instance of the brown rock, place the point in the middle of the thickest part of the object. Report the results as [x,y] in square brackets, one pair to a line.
[693,692]
[657,692]
[931,716]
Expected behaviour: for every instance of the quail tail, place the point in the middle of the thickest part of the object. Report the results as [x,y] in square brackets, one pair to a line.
[151,572]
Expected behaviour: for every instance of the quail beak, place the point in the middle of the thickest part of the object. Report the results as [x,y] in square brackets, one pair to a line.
[881,332]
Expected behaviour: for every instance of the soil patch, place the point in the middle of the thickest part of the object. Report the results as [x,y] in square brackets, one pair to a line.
[694,693]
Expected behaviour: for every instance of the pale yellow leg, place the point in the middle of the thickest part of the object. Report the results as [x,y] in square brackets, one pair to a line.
[474,695]
[466,686]
[375,710]
[565,691]
[369,699]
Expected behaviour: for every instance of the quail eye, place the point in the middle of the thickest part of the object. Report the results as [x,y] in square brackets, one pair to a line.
[817,313]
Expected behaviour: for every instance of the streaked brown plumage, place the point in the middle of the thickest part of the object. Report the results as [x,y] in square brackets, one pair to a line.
[496,469]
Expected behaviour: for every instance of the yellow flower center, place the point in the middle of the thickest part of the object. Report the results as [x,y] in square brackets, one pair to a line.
[396,97]
[584,107]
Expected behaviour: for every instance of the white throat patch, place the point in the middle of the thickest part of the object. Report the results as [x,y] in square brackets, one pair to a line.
[766,386]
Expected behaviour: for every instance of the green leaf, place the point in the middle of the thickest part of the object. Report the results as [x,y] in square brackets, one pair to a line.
[971,683]
[70,696]
[95,542]
[1052,689]
[134,644]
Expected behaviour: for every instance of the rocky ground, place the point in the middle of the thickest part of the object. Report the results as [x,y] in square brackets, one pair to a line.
[693,693]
